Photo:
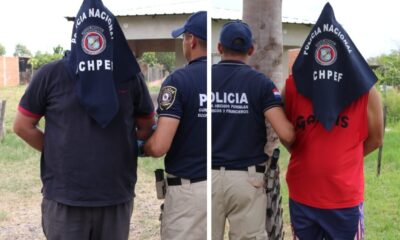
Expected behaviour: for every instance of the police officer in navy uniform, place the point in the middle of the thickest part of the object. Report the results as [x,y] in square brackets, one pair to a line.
[96,106]
[242,99]
[181,134]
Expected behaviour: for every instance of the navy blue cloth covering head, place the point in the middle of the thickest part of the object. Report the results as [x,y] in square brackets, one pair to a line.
[232,31]
[100,58]
[330,70]
[196,24]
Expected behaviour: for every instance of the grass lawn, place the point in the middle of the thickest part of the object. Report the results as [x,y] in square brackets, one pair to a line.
[20,184]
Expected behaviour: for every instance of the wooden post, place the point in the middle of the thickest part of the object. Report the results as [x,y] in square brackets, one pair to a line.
[2,118]
[378,170]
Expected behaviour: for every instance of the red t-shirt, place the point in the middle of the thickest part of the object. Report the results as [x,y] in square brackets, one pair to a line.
[326,167]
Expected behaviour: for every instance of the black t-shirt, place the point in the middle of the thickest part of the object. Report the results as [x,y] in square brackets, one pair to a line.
[240,96]
[183,96]
[83,164]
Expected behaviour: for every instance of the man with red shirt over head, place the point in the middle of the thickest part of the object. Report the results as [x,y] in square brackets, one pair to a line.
[337,114]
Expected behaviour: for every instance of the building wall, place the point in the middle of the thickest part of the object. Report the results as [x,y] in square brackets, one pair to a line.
[292,57]
[9,71]
[150,27]
[153,34]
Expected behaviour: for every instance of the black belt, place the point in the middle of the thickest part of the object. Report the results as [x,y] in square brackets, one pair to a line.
[259,168]
[178,181]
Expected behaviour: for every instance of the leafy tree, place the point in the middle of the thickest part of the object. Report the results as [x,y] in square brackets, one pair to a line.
[388,71]
[149,58]
[2,50]
[58,50]
[22,51]
[167,59]
[41,59]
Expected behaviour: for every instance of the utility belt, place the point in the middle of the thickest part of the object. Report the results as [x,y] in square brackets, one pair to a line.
[259,168]
[176,181]
[162,182]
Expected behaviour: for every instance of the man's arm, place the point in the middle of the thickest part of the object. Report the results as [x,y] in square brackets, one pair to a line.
[161,140]
[375,122]
[26,128]
[283,128]
[145,127]
[283,94]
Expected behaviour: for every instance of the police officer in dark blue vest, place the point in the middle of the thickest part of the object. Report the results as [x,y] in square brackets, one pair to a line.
[96,105]
[181,134]
[242,99]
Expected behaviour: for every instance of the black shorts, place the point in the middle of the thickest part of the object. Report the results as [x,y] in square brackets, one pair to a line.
[63,222]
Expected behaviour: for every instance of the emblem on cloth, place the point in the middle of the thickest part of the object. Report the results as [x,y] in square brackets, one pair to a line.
[325,53]
[93,40]
[167,97]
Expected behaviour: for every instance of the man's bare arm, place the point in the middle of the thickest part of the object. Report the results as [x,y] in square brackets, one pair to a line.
[26,128]
[375,122]
[282,126]
[161,140]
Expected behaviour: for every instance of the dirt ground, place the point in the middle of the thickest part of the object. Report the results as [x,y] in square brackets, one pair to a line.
[22,220]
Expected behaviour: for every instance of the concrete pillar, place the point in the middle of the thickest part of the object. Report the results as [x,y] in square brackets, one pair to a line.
[180,60]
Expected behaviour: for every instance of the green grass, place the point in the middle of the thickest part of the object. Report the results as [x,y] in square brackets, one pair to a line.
[154,89]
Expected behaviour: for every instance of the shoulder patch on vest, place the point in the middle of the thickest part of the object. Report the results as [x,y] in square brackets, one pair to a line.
[167,97]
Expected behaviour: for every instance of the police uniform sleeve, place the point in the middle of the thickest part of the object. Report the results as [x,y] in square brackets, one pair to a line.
[143,103]
[34,101]
[170,99]
[271,96]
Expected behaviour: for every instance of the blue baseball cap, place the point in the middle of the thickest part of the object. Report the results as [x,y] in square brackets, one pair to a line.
[196,24]
[234,30]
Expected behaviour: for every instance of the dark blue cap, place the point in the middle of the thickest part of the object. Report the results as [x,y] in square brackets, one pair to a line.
[234,30]
[196,24]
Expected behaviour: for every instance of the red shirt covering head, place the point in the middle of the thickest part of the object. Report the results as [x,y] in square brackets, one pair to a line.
[326,167]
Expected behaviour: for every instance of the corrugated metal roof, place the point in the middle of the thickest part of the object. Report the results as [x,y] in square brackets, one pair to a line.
[177,7]
[229,14]
[162,8]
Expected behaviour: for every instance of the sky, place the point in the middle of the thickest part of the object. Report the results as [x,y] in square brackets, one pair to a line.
[40,25]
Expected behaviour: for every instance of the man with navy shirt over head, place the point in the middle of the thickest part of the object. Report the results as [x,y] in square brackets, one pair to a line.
[96,105]
[242,99]
[181,133]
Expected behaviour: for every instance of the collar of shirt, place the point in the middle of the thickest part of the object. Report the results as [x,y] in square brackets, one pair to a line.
[199,59]
[231,62]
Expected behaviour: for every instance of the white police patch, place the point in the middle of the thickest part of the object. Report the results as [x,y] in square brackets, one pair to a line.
[167,97]
[93,40]
[325,53]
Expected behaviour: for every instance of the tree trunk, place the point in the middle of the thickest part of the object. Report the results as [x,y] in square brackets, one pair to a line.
[265,20]
[2,118]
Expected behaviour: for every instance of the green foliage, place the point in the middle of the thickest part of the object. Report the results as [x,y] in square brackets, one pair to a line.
[167,59]
[22,51]
[388,71]
[58,50]
[41,59]
[149,58]
[2,50]
[391,99]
